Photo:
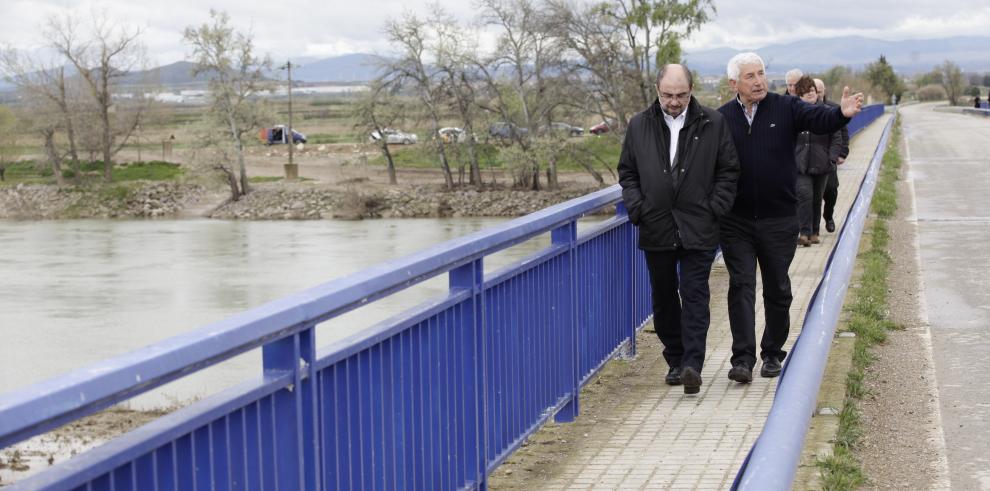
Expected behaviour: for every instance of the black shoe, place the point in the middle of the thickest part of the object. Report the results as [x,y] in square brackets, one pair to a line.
[770,368]
[741,373]
[830,226]
[691,379]
[673,376]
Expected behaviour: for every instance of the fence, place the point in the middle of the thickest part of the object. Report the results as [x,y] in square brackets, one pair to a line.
[434,398]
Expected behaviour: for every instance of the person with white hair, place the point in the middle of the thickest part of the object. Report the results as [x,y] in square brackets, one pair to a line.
[791,78]
[762,226]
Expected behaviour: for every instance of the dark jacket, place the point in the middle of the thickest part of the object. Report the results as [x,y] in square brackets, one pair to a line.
[816,154]
[768,178]
[838,147]
[682,211]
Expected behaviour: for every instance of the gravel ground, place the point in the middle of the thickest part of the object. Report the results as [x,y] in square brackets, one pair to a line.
[902,445]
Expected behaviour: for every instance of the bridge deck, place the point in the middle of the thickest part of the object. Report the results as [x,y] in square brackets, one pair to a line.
[635,432]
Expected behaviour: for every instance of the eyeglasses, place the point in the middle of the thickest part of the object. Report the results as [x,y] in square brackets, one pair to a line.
[680,97]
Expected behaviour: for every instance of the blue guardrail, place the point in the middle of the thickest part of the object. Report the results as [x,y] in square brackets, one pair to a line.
[435,398]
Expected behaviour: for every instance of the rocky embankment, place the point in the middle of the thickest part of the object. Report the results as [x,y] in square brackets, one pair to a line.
[273,201]
[276,203]
[123,200]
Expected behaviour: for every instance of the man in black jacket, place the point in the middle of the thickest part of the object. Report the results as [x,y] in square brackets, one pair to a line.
[678,171]
[762,226]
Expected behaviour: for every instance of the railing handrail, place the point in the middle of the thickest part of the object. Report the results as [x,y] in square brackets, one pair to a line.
[46,405]
[772,462]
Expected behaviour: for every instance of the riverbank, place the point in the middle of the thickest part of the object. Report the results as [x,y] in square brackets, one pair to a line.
[273,201]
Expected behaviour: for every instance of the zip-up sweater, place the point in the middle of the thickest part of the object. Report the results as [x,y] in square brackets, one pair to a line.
[768,179]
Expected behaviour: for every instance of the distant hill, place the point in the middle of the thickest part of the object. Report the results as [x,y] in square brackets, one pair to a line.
[176,74]
[908,57]
[347,68]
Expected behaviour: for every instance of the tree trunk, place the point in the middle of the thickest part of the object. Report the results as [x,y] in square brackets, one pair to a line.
[53,157]
[444,165]
[390,164]
[107,143]
[242,168]
[552,173]
[231,181]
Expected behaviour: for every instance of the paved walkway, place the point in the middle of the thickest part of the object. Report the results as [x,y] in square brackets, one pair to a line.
[652,436]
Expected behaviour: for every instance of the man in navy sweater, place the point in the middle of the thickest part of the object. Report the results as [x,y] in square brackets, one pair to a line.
[762,227]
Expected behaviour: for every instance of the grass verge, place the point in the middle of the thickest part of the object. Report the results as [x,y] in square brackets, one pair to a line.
[869,320]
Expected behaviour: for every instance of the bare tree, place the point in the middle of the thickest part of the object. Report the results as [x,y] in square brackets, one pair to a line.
[48,81]
[413,38]
[602,70]
[952,80]
[236,74]
[528,53]
[455,52]
[377,110]
[109,52]
[8,138]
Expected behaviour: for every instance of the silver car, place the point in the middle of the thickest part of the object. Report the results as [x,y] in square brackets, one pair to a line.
[394,136]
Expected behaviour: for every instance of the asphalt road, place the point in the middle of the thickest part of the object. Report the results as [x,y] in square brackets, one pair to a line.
[949,159]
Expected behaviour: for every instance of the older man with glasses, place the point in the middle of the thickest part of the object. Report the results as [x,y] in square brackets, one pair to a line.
[678,171]
[762,227]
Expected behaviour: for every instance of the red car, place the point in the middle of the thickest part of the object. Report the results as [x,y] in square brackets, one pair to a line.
[603,127]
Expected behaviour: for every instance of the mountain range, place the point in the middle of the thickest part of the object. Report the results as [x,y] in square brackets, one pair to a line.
[908,57]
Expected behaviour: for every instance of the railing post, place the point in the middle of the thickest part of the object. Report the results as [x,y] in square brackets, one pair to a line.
[297,450]
[629,263]
[473,389]
[571,334]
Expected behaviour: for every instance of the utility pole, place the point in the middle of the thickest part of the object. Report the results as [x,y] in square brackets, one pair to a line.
[291,169]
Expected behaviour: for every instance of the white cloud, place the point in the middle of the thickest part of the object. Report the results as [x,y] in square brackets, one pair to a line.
[287,28]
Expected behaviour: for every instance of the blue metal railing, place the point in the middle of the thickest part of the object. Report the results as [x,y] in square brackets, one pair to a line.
[774,458]
[434,398]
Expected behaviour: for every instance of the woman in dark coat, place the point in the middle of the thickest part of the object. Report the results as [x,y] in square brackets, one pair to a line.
[814,165]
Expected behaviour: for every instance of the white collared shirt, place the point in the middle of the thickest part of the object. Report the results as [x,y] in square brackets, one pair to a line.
[675,125]
[749,117]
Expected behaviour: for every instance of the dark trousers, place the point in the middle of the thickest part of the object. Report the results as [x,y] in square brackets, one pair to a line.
[681,320]
[831,195]
[768,242]
[809,192]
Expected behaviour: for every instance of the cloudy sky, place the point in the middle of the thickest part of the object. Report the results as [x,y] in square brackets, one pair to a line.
[321,28]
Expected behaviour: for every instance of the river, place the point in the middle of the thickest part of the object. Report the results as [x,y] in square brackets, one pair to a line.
[73,293]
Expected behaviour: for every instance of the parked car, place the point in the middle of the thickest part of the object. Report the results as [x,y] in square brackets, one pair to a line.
[603,127]
[452,134]
[277,135]
[394,136]
[506,131]
[559,128]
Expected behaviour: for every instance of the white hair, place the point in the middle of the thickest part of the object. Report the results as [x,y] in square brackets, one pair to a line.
[793,74]
[736,63]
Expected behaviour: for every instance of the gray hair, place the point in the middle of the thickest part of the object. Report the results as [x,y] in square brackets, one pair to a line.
[736,63]
[687,74]
[793,74]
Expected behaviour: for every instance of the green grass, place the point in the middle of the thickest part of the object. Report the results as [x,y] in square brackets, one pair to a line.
[257,179]
[32,172]
[423,155]
[318,138]
[155,170]
[869,319]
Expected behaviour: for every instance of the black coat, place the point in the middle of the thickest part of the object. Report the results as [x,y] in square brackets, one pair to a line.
[816,154]
[684,211]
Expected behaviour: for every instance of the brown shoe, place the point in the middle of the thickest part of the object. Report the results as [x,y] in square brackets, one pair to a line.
[815,239]
[804,241]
